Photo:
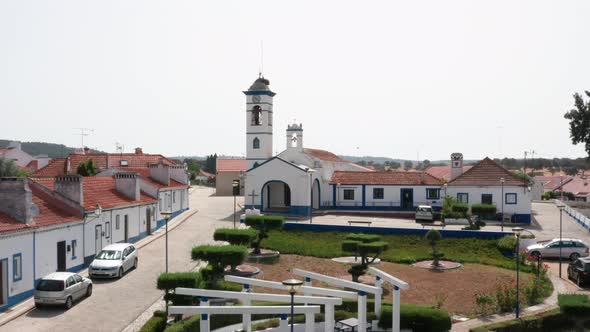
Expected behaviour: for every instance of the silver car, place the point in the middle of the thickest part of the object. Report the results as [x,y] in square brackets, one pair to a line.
[113,261]
[62,288]
[572,248]
[424,213]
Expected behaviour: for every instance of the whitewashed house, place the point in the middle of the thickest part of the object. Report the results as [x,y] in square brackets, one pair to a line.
[22,159]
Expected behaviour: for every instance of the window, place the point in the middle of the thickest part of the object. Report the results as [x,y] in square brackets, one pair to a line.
[256,115]
[174,197]
[486,199]
[160,204]
[510,198]
[107,229]
[17,267]
[256,143]
[432,193]
[77,278]
[70,282]
[348,194]
[117,222]
[153,213]
[463,198]
[74,245]
[378,193]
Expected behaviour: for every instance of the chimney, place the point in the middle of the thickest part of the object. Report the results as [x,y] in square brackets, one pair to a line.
[14,145]
[456,165]
[160,173]
[178,173]
[421,177]
[86,150]
[128,185]
[71,186]
[16,200]
[138,151]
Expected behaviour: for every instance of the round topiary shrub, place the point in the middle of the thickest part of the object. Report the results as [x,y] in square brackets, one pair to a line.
[263,224]
[218,258]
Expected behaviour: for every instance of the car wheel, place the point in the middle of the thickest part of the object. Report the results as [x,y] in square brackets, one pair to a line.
[38,305]
[120,272]
[574,256]
[69,302]
[135,264]
[89,291]
[536,254]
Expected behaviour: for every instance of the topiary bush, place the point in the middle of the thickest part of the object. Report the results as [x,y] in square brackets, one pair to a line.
[218,258]
[433,236]
[186,325]
[263,224]
[418,318]
[574,304]
[507,243]
[155,324]
[363,245]
[235,236]
[459,208]
[484,210]
[170,281]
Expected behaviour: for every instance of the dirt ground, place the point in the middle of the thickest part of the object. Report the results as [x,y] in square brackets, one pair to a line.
[456,289]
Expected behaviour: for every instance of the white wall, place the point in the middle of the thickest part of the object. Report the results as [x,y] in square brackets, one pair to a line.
[391,196]
[523,205]
[11,244]
[46,241]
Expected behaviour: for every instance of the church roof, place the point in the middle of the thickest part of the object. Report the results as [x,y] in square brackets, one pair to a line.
[392,178]
[260,84]
[487,173]
[323,155]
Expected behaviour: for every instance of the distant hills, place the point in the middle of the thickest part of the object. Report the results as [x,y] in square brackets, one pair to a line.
[36,148]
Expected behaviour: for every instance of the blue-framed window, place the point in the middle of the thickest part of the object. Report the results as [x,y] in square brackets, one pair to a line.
[510,198]
[463,198]
[256,143]
[349,194]
[378,193]
[17,267]
[487,199]
[74,245]
[432,193]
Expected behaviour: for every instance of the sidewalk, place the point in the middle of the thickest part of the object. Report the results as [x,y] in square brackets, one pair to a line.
[29,304]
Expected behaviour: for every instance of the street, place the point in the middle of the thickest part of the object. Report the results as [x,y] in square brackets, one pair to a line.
[114,304]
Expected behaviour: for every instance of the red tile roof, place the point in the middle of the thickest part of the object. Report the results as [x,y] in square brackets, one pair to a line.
[487,173]
[55,167]
[9,224]
[579,186]
[203,173]
[443,172]
[323,155]
[553,182]
[144,174]
[396,177]
[231,164]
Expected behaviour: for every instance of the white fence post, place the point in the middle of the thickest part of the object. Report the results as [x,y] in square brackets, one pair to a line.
[378,283]
[284,324]
[362,311]
[246,317]
[204,322]
[395,321]
[329,318]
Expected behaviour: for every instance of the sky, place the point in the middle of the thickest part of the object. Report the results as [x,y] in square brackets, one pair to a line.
[402,79]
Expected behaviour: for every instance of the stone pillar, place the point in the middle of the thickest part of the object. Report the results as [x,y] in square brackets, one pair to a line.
[204,323]
[362,311]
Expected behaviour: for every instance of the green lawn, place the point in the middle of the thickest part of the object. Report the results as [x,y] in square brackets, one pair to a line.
[402,248]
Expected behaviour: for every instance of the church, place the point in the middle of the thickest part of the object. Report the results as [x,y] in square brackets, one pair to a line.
[299,180]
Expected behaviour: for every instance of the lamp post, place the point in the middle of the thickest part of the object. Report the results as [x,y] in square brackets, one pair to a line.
[560,206]
[502,180]
[517,231]
[292,286]
[310,172]
[235,192]
[166,215]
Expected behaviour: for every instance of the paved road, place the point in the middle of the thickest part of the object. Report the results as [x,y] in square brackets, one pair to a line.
[115,304]
[547,216]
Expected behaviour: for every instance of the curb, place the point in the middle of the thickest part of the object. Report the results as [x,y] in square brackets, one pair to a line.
[27,305]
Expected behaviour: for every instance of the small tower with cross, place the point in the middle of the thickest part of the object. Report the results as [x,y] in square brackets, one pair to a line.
[259,101]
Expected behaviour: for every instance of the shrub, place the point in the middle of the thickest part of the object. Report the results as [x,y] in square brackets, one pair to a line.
[220,256]
[418,318]
[433,236]
[363,245]
[507,243]
[548,321]
[170,281]
[263,224]
[459,208]
[235,236]
[365,238]
[484,210]
[186,325]
[155,324]
[574,304]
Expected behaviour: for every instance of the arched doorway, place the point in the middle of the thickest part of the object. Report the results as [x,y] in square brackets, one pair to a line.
[276,196]
[316,195]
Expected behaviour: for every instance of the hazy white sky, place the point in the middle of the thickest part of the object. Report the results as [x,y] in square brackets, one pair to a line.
[382,78]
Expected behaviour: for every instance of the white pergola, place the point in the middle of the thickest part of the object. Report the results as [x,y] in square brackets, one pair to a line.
[398,284]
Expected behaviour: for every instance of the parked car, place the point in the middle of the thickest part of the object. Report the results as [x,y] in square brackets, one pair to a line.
[113,261]
[62,288]
[579,270]
[572,248]
[424,213]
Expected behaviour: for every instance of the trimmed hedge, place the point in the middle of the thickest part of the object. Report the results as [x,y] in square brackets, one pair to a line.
[363,237]
[548,321]
[260,222]
[574,304]
[155,324]
[486,210]
[235,236]
[460,208]
[418,318]
[507,243]
[179,279]
[220,256]
[191,324]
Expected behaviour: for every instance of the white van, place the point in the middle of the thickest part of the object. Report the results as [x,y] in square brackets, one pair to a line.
[424,213]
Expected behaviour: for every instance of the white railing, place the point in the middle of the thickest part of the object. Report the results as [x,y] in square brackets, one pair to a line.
[577,216]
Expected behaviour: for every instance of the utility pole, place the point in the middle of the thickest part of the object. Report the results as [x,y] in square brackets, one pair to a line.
[524,171]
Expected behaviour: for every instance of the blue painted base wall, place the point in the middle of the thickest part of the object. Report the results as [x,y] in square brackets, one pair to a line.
[376,208]
[392,231]
[291,211]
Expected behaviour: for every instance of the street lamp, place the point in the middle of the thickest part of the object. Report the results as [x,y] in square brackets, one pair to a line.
[310,172]
[560,206]
[517,231]
[502,180]
[235,191]
[292,286]
[166,215]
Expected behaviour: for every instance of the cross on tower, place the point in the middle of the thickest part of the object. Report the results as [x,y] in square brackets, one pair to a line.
[253,195]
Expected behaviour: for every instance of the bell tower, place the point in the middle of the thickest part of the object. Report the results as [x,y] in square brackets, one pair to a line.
[259,100]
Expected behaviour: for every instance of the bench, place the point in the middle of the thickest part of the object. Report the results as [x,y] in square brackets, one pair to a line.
[368,223]
[434,223]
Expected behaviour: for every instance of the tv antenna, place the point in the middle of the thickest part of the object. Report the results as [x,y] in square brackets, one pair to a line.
[119,147]
[83,132]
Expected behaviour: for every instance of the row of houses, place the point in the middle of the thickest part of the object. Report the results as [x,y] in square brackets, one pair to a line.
[22,159]
[59,223]
[578,185]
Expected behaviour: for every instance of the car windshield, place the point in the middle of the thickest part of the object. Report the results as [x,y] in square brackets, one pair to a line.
[109,255]
[50,285]
[422,209]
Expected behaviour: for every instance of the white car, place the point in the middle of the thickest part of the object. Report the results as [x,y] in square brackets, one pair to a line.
[62,288]
[571,248]
[424,212]
[113,261]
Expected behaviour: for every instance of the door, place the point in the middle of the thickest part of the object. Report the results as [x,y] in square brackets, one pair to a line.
[148,221]
[126,228]
[287,195]
[3,281]
[407,199]
[97,239]
[61,256]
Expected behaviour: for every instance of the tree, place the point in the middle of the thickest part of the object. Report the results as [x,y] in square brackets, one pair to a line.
[363,245]
[426,163]
[408,165]
[211,163]
[572,171]
[395,165]
[263,224]
[580,121]
[87,168]
[8,168]
[433,236]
